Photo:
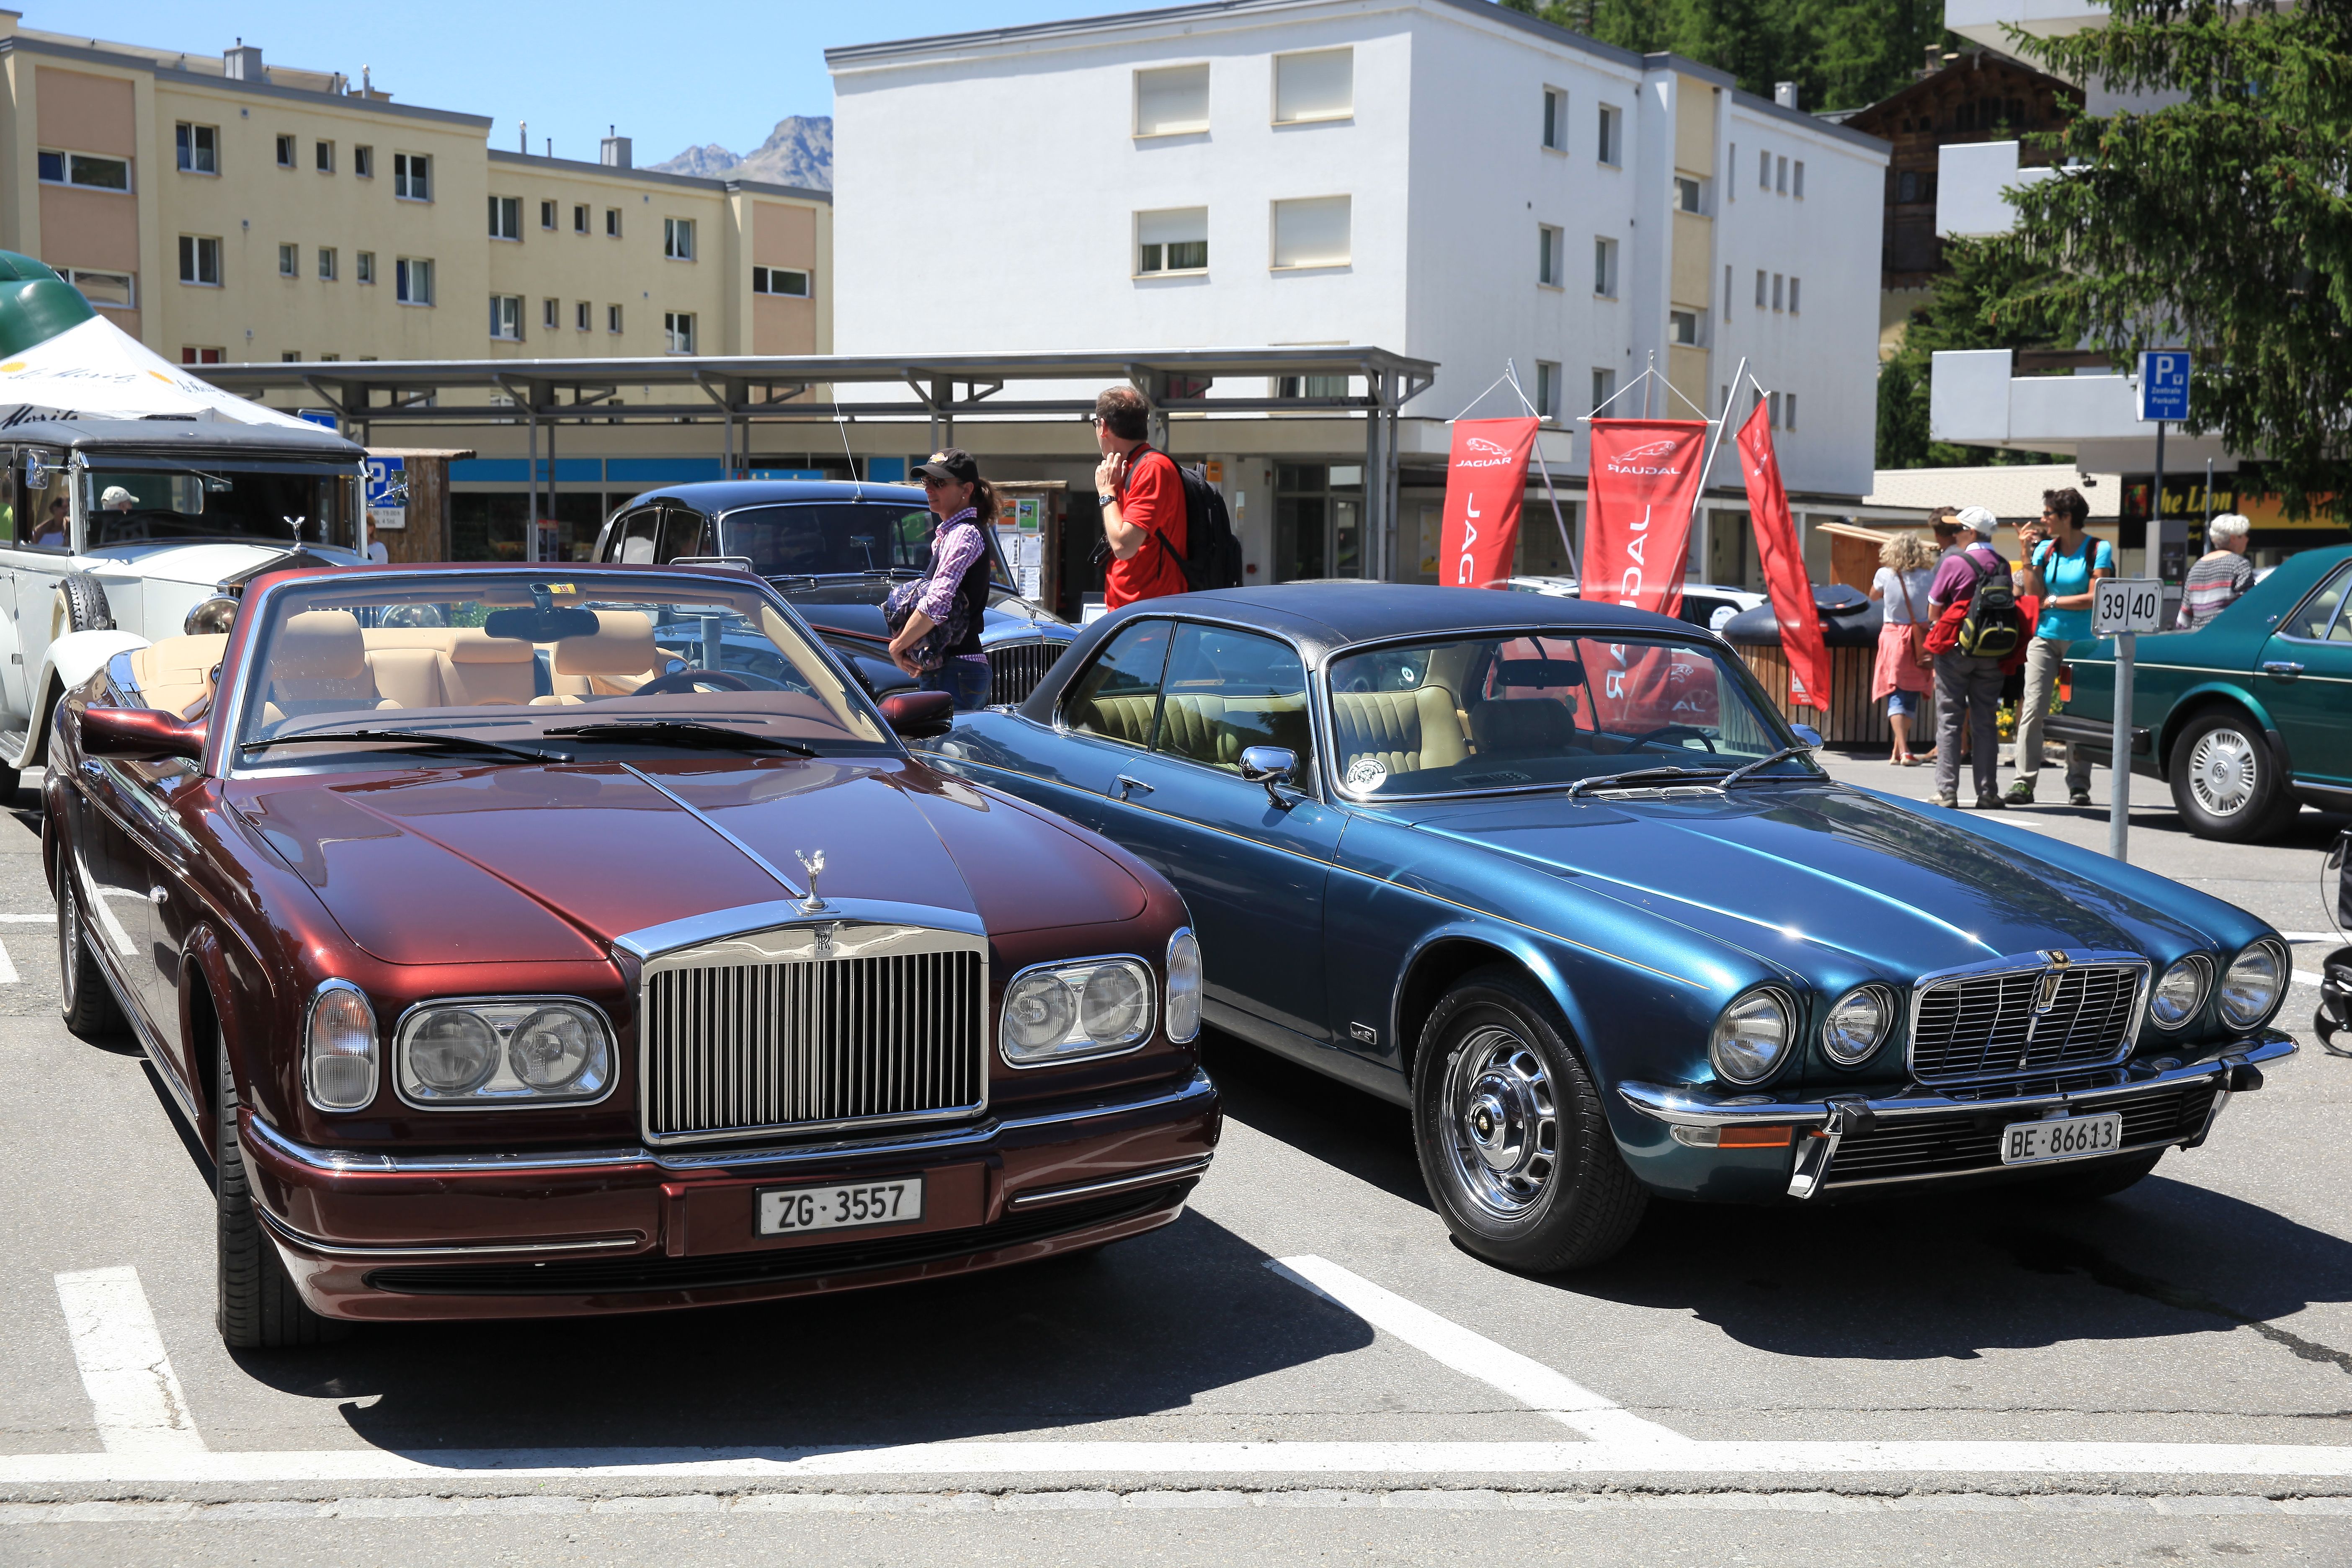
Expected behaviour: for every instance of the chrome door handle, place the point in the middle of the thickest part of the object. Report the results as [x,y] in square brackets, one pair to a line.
[2285,669]
[158,895]
[1127,785]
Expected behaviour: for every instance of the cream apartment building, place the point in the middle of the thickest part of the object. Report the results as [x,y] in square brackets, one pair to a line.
[225,209]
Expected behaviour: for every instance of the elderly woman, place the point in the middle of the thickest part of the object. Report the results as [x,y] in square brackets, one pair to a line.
[2221,574]
[1907,566]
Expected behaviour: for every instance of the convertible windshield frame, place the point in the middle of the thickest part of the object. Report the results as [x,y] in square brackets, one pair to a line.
[1699,641]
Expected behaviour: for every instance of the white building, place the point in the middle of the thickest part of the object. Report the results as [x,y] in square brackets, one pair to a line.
[1442,178]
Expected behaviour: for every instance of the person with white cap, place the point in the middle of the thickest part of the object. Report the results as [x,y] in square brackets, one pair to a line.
[117,498]
[2221,574]
[1968,683]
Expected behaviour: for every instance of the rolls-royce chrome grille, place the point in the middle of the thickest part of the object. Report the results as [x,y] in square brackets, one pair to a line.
[1015,668]
[2043,1012]
[836,1025]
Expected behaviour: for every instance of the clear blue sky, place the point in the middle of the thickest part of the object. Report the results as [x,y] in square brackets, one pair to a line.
[671,76]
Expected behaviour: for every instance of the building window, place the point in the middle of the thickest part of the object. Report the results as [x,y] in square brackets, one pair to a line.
[506,317]
[290,356]
[1310,386]
[1772,406]
[1787,411]
[286,151]
[1682,327]
[323,154]
[412,280]
[550,313]
[330,359]
[412,176]
[199,147]
[613,223]
[1794,284]
[789,282]
[201,356]
[1549,257]
[677,239]
[1797,187]
[1605,268]
[677,330]
[363,162]
[1760,288]
[326,264]
[1172,241]
[1555,119]
[86,170]
[1547,389]
[547,215]
[611,318]
[1686,196]
[1727,293]
[200,259]
[1604,387]
[1731,174]
[580,316]
[364,266]
[1610,152]
[108,291]
[1763,169]
[290,263]
[505,218]
[1318,85]
[1172,101]
[1781,182]
[1312,232]
[580,218]
[1776,291]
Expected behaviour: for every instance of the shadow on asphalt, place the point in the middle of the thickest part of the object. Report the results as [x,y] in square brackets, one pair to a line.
[1344,1127]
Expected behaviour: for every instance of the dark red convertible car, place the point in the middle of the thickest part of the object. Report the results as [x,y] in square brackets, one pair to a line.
[557,940]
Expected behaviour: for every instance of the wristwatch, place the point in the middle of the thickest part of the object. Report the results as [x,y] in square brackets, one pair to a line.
[1104,498]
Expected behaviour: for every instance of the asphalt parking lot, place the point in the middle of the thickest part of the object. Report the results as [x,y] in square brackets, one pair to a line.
[1304,1368]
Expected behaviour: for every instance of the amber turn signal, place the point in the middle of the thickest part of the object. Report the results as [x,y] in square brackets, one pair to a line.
[1756,1137]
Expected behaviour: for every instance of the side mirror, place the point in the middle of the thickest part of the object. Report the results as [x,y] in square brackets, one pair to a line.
[1807,734]
[917,715]
[1276,767]
[140,735]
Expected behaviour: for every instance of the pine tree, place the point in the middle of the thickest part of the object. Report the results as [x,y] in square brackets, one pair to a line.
[1840,53]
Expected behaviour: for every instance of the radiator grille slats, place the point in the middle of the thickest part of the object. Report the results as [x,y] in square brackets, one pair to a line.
[1986,1025]
[761,1045]
[1952,1143]
[1016,667]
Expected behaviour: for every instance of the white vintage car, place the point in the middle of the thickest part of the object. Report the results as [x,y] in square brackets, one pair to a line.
[116,532]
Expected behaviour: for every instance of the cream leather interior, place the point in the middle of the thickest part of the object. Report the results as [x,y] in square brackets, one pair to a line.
[1406,730]
[323,662]
[1125,719]
[618,659]
[1217,729]
[177,673]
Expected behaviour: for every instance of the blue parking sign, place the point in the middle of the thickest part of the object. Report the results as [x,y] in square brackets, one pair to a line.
[2164,383]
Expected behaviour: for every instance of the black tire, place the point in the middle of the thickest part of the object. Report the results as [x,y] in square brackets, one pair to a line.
[86,607]
[84,997]
[260,1308]
[1509,1128]
[2226,780]
[2102,1179]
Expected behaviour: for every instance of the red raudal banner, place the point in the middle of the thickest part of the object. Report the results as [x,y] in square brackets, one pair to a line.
[1645,479]
[1784,564]
[1483,479]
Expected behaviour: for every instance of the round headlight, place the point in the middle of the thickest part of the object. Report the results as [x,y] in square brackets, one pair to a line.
[550,1049]
[1183,986]
[1751,1037]
[1116,1005]
[2179,994]
[2253,986]
[1039,1009]
[211,617]
[339,1063]
[453,1052]
[1856,1025]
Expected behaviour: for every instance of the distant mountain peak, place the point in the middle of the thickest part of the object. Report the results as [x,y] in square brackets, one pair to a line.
[799,152]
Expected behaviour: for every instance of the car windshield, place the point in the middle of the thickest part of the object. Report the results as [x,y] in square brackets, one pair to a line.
[1529,711]
[284,506]
[535,661]
[821,539]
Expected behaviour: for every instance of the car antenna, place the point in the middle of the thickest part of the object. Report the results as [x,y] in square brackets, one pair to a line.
[841,428]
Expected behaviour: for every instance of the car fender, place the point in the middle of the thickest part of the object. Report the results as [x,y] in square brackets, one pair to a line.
[2204,694]
[65,663]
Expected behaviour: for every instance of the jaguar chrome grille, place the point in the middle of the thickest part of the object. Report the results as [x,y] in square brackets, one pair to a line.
[1016,667]
[2045,1014]
[836,1025]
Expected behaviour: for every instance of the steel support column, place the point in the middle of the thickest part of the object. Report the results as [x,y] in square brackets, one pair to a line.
[531,517]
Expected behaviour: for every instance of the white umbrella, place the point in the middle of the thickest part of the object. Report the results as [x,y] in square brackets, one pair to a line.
[98,371]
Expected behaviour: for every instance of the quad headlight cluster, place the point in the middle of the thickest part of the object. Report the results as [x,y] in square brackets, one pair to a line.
[2179,992]
[476,1054]
[1857,1024]
[2253,985]
[1754,1037]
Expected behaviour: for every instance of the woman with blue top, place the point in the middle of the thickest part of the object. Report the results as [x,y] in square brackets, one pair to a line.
[2060,563]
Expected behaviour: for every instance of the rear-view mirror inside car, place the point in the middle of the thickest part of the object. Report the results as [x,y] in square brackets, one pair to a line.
[542,625]
[1522,672]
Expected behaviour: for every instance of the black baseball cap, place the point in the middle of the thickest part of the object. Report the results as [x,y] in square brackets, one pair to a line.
[955,464]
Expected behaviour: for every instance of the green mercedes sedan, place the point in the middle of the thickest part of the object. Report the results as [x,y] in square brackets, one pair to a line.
[2246,716]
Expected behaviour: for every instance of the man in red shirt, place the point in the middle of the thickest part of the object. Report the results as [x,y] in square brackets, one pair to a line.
[1142,501]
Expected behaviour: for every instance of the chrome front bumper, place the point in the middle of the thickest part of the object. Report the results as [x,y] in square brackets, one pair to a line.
[1697,1116]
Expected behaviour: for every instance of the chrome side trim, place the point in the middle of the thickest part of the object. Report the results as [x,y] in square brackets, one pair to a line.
[352,1162]
[716,925]
[394,1254]
[1041,1197]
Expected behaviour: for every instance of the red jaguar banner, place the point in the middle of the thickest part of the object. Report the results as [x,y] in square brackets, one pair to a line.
[1784,564]
[1483,479]
[1644,479]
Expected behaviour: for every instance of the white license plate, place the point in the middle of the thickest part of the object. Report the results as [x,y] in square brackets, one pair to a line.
[789,1211]
[2069,1138]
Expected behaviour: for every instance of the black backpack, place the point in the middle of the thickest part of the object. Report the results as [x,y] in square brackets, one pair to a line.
[1212,556]
[1994,625]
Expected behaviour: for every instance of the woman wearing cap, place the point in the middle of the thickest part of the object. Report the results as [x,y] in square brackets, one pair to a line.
[935,619]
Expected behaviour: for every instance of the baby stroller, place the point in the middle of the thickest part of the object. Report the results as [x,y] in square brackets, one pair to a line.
[2335,1015]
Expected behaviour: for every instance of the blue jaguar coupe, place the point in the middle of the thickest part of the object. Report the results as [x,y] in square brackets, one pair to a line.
[1557,877]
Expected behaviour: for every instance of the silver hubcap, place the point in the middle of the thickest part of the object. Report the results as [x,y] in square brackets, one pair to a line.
[2222,768]
[1504,1126]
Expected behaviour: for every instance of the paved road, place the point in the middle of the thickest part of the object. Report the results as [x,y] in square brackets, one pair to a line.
[1211,1390]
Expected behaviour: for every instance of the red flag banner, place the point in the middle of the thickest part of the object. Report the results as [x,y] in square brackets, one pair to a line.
[1644,479]
[1483,479]
[1784,564]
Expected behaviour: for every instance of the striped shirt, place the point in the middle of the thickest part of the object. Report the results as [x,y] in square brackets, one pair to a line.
[2213,585]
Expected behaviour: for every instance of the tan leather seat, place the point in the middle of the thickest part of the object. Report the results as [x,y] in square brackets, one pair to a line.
[621,657]
[450,667]
[1404,731]
[1523,727]
[1217,729]
[176,673]
[1125,719]
[317,664]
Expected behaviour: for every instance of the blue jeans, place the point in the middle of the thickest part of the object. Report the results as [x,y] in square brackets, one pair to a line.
[965,680]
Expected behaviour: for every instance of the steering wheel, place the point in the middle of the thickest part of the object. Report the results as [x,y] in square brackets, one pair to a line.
[1662,730]
[693,681]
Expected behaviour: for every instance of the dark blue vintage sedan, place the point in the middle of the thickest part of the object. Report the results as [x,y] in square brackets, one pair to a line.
[1556,876]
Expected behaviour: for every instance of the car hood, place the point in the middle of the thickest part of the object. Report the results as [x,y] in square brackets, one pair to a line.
[551,863]
[203,562]
[1775,869]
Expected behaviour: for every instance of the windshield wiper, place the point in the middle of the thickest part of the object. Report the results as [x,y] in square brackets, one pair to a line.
[1783,755]
[403,737]
[1642,775]
[682,732]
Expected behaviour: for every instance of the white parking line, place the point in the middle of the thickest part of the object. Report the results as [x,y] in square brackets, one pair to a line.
[8,969]
[1506,1372]
[133,1392]
[29,920]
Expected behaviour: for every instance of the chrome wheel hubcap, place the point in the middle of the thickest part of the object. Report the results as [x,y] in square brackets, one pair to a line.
[2222,768]
[1502,1124]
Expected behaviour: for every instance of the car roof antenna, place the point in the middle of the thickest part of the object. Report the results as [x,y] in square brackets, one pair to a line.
[841,428]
